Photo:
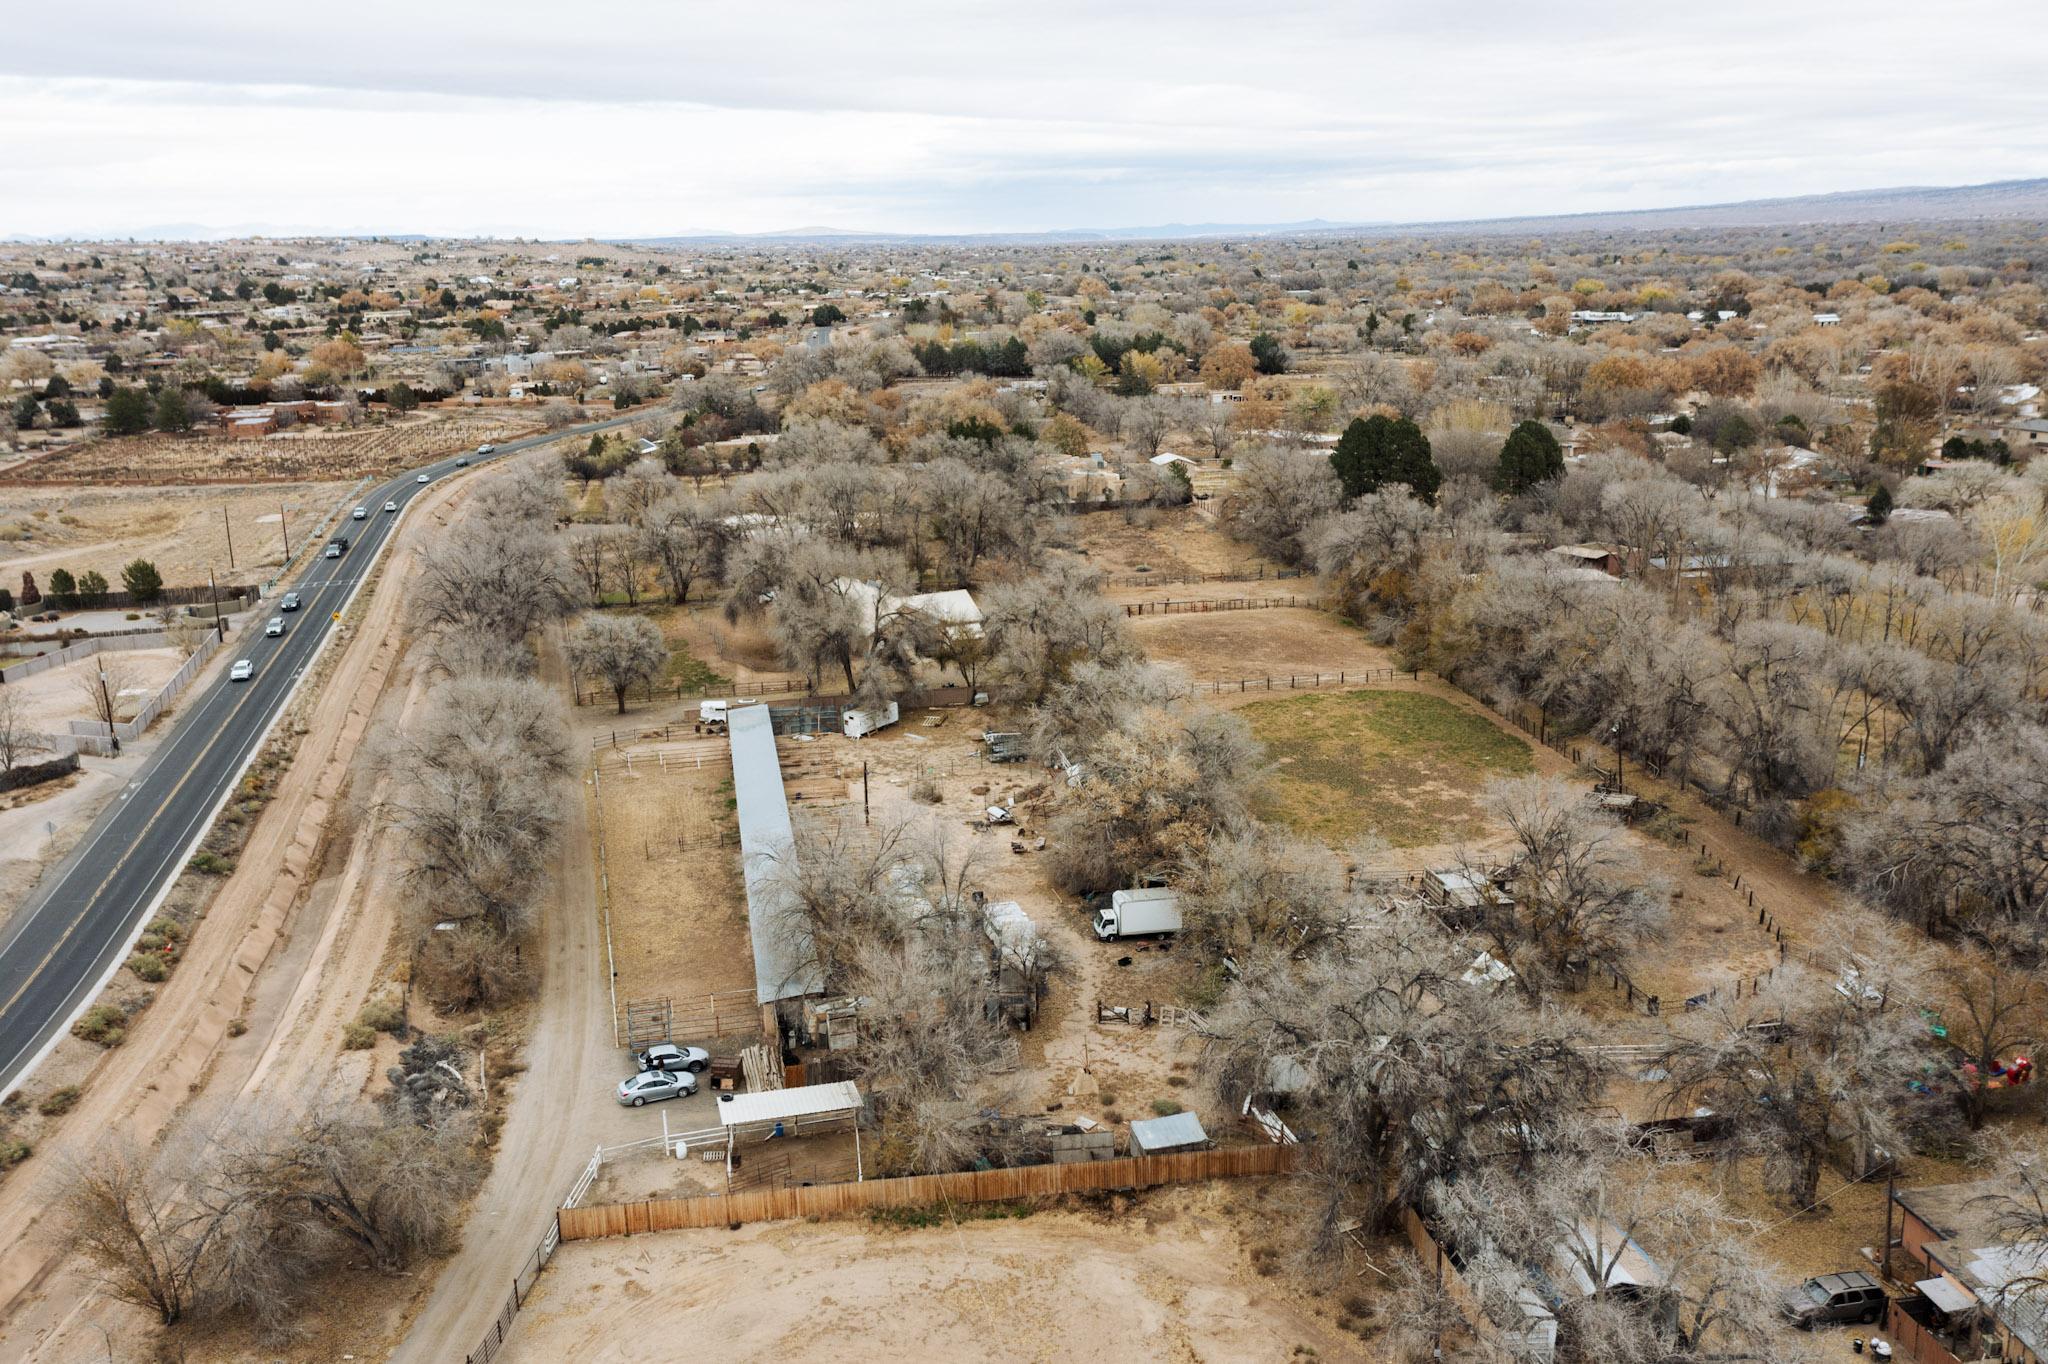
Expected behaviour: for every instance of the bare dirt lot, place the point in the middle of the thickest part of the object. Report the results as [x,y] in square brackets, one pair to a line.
[1167,541]
[51,699]
[303,454]
[1170,1279]
[184,531]
[678,912]
[1262,643]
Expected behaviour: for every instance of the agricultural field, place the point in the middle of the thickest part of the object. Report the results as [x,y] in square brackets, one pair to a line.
[1403,766]
[311,454]
[1167,542]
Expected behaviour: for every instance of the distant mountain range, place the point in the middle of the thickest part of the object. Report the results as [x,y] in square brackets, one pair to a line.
[2003,199]
[2019,199]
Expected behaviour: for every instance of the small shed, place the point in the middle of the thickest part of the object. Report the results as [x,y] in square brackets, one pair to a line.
[1164,1136]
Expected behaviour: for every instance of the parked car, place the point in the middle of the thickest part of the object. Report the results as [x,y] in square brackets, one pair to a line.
[275,627]
[242,671]
[362,512]
[1827,1299]
[391,506]
[669,1056]
[651,1086]
[290,602]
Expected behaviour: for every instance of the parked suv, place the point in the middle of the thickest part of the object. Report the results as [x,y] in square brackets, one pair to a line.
[1827,1299]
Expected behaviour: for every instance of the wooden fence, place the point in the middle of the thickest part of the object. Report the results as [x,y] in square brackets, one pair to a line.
[917,1191]
[1303,681]
[1172,606]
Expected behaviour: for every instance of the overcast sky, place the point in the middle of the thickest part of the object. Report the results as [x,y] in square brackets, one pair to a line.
[646,117]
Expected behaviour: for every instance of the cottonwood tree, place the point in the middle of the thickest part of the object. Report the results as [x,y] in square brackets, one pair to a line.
[1276,496]
[1255,890]
[1370,553]
[1158,787]
[1844,1077]
[1582,1203]
[1966,842]
[1039,628]
[620,651]
[689,539]
[1580,893]
[1992,1004]
[1412,1074]
[500,576]
[476,792]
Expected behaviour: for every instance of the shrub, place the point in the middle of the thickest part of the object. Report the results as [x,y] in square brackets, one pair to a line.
[237,1026]
[385,1015]
[149,966]
[925,790]
[102,1023]
[1166,1108]
[58,1101]
[13,1153]
[170,930]
[358,1037]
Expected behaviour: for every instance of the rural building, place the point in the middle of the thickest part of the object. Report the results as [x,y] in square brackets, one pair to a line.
[785,962]
[1971,1294]
[2031,434]
[1164,1136]
[1597,557]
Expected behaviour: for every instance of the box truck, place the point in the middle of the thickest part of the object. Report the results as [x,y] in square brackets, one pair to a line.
[860,723]
[1132,913]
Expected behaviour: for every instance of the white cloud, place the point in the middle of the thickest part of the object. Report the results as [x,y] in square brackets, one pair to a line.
[643,117]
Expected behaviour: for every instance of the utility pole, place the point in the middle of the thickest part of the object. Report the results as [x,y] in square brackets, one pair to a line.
[220,626]
[284,526]
[230,529]
[863,790]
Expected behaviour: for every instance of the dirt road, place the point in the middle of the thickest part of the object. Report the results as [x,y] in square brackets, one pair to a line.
[556,1117]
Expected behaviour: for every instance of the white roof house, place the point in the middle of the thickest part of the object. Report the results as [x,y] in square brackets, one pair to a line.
[954,607]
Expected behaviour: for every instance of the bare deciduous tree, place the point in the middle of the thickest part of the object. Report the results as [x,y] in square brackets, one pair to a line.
[620,651]
[18,742]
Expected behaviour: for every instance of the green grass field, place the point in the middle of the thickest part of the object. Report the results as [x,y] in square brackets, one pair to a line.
[1405,766]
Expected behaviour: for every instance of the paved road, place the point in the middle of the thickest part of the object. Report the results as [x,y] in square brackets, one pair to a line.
[78,924]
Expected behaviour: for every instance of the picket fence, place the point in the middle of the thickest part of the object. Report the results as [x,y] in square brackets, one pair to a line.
[919,1191]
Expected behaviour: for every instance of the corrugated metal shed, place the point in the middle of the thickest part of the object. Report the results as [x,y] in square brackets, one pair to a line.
[785,962]
[781,1105]
[1177,1132]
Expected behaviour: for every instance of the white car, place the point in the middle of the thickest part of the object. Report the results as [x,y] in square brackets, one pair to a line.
[242,671]
[486,448]
[362,512]
[421,479]
[391,506]
[275,628]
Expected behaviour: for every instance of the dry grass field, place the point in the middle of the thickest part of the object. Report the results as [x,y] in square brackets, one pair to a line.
[1402,765]
[183,531]
[310,454]
[1170,542]
[679,914]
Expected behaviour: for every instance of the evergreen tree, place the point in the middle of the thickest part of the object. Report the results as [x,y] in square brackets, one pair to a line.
[1880,505]
[142,581]
[1531,455]
[1376,451]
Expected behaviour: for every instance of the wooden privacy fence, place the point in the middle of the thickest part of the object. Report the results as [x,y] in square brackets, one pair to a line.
[917,1191]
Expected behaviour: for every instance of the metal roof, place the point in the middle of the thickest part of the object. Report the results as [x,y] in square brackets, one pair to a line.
[779,1105]
[785,961]
[1164,1134]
